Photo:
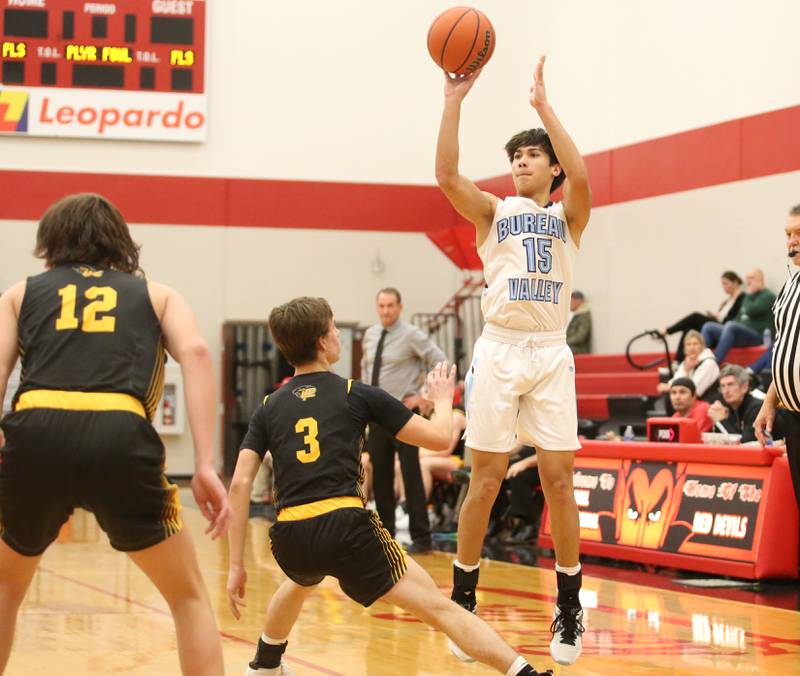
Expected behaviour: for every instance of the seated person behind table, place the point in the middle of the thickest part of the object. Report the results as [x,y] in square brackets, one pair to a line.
[698,364]
[579,329]
[683,395]
[738,410]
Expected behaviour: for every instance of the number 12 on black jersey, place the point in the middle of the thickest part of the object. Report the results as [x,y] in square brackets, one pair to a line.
[104,299]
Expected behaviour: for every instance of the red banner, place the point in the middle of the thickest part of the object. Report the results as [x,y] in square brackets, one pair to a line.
[673,512]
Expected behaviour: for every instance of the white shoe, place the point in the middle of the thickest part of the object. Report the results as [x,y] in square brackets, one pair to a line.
[282,670]
[567,627]
[401,522]
[460,654]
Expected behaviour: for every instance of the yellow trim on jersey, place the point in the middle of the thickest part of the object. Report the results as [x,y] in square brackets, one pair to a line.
[264,403]
[312,509]
[80,401]
[395,554]
[156,387]
[349,385]
[170,514]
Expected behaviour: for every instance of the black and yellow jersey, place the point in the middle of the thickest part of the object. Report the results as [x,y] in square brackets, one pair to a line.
[83,329]
[313,427]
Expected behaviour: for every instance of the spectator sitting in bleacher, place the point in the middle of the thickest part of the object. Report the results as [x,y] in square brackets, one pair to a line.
[738,409]
[727,311]
[579,328]
[754,318]
[764,362]
[698,364]
[437,465]
[434,465]
[683,395]
[525,501]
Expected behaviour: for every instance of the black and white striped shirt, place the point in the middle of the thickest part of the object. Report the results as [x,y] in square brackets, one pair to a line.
[786,354]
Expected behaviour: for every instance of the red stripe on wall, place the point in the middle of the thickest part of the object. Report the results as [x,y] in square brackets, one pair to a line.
[346,206]
[759,145]
[235,202]
[771,143]
[142,199]
[694,159]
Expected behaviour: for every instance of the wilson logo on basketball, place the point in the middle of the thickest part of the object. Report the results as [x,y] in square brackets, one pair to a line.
[477,62]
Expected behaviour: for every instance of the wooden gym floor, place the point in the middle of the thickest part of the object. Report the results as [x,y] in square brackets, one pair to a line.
[91,611]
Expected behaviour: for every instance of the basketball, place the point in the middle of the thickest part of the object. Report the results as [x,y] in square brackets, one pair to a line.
[461,40]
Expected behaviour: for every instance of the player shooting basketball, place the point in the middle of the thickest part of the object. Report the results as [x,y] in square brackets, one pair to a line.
[521,385]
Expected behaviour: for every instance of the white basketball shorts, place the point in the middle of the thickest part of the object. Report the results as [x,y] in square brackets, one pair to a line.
[520,388]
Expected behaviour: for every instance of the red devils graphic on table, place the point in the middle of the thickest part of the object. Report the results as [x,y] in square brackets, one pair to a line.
[684,510]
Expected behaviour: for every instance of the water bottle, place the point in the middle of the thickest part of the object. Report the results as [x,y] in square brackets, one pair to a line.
[767,338]
[628,435]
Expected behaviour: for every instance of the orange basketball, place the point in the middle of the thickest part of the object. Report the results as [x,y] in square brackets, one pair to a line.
[461,40]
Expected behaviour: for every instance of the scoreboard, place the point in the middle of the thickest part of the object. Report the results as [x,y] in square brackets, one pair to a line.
[132,69]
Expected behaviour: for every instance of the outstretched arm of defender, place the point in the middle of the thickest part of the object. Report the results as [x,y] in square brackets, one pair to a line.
[247,467]
[187,345]
[577,192]
[10,302]
[467,199]
[434,434]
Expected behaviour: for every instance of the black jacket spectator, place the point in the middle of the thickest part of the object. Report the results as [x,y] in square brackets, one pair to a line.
[741,419]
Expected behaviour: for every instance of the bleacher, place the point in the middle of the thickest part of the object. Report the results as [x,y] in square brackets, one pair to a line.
[611,392]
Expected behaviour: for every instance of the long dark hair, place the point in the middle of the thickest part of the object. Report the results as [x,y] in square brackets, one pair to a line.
[731,276]
[87,228]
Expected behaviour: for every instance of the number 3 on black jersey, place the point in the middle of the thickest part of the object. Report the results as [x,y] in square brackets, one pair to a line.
[308,425]
[104,299]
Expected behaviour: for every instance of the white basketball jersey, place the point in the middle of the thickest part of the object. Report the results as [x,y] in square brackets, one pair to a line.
[528,257]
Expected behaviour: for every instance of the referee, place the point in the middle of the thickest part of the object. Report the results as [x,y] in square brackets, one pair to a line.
[784,392]
[395,355]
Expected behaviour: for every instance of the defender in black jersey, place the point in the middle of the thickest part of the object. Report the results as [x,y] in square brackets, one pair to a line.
[313,427]
[91,334]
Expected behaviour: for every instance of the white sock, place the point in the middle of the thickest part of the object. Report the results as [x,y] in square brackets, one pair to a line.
[272,641]
[519,664]
[574,570]
[466,568]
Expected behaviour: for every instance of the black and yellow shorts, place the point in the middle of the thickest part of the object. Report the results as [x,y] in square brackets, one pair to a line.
[349,544]
[108,462]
